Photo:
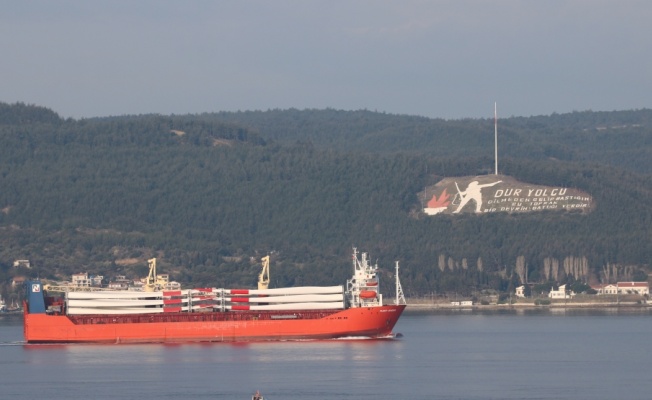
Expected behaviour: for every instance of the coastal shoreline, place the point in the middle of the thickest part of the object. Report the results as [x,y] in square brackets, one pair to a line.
[528,305]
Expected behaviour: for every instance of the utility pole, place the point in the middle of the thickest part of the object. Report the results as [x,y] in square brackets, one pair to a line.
[496,138]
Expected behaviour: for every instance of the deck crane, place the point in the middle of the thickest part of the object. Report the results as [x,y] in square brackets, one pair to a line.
[151,282]
[263,277]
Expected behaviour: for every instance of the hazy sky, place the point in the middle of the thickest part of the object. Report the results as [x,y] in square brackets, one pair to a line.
[448,59]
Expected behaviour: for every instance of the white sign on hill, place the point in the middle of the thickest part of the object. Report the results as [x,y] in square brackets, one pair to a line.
[500,193]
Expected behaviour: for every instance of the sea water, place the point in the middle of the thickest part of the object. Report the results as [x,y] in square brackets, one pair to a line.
[511,354]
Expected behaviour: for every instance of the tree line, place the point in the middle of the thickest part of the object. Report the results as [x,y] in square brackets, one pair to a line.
[210,194]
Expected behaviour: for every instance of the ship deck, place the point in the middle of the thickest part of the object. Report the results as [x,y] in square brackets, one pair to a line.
[200,317]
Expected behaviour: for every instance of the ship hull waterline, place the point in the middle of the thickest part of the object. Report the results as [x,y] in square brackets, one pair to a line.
[368,322]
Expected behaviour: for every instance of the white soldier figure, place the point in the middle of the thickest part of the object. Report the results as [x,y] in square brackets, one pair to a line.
[472,192]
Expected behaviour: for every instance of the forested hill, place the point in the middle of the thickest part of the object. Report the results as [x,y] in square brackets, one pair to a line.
[210,194]
[620,138]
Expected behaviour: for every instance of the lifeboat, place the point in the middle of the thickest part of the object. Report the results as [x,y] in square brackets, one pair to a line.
[372,282]
[368,294]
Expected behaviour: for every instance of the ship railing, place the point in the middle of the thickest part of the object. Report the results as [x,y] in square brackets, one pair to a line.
[66,289]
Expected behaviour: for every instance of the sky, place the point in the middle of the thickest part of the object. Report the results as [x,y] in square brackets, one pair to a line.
[440,59]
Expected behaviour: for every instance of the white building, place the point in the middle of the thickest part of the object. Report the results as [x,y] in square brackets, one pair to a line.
[640,288]
[520,291]
[465,303]
[96,280]
[560,293]
[22,263]
[81,280]
[608,288]
[119,285]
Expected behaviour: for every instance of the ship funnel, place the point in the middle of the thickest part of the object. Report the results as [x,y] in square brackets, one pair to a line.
[35,298]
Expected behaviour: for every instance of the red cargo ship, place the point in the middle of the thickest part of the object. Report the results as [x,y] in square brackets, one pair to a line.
[214,315]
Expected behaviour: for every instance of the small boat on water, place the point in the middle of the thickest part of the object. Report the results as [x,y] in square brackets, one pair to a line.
[257,396]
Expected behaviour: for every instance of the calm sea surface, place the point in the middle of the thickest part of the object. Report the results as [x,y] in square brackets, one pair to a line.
[542,354]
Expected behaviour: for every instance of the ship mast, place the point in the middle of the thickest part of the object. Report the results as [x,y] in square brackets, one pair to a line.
[400,298]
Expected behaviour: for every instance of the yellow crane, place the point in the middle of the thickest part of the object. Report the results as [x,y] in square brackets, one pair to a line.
[151,282]
[263,278]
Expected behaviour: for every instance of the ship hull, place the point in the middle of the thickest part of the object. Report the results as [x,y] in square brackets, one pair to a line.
[372,322]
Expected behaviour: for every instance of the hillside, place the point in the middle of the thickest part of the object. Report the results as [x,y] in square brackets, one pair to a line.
[618,138]
[210,194]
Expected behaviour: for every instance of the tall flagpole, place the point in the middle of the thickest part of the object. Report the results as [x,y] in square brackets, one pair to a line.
[496,137]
